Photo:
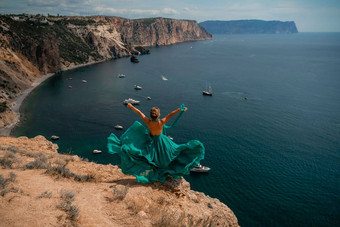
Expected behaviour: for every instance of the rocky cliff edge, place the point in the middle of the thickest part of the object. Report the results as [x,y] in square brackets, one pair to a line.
[45,188]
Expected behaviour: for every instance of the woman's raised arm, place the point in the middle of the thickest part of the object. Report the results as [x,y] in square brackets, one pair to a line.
[129,105]
[176,111]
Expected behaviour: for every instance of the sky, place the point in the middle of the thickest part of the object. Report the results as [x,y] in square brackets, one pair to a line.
[309,15]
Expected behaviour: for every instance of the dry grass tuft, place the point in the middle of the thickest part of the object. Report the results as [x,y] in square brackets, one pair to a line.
[5,181]
[8,160]
[62,171]
[72,211]
[39,163]
[45,194]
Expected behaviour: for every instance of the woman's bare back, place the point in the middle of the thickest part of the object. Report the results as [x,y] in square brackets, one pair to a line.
[155,126]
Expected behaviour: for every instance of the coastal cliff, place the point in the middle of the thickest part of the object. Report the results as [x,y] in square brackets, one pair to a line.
[33,46]
[249,27]
[45,188]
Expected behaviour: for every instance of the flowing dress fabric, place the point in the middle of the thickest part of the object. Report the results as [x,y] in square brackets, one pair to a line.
[152,158]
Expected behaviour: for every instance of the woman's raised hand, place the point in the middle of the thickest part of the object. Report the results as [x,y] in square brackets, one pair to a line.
[183,108]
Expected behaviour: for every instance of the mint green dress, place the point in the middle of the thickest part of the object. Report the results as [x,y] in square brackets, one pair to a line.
[153,158]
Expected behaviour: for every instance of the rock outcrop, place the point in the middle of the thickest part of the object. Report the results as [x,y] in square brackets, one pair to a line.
[31,46]
[45,188]
[249,27]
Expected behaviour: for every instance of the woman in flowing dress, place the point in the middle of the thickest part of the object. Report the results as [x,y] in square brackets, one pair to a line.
[149,155]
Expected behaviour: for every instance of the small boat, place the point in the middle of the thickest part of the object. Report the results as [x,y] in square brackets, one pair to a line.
[200,169]
[69,86]
[148,98]
[96,151]
[138,87]
[170,138]
[130,100]
[54,137]
[164,78]
[118,127]
[246,98]
[84,81]
[70,78]
[121,75]
[208,91]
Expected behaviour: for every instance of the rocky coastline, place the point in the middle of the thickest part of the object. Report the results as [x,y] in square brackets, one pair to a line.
[32,47]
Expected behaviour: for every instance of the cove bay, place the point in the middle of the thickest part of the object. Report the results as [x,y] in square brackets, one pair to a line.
[274,156]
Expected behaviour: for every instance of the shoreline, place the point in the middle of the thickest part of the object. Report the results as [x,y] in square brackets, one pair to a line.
[16,104]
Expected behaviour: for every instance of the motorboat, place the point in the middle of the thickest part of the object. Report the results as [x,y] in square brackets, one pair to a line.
[84,81]
[118,127]
[246,98]
[148,98]
[121,75]
[96,151]
[208,91]
[132,101]
[54,137]
[164,78]
[200,169]
[170,138]
[70,78]
[138,87]
[69,86]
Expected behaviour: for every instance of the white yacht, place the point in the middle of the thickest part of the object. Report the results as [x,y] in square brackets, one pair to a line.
[200,169]
[54,137]
[138,87]
[84,81]
[118,127]
[208,91]
[96,151]
[121,75]
[132,101]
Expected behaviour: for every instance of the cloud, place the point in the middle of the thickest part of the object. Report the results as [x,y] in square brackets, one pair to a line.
[169,11]
[135,12]
[42,3]
[144,12]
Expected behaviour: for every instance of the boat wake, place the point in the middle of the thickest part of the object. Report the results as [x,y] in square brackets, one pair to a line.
[235,94]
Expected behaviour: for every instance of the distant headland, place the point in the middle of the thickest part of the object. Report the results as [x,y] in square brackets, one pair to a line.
[249,27]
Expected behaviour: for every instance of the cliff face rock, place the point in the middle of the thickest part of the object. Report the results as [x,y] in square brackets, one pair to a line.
[32,47]
[249,27]
[161,31]
[64,190]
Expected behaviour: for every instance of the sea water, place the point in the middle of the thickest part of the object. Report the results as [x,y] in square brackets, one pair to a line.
[271,129]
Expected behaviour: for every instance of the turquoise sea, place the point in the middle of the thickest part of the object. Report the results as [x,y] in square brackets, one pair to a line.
[275,157]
